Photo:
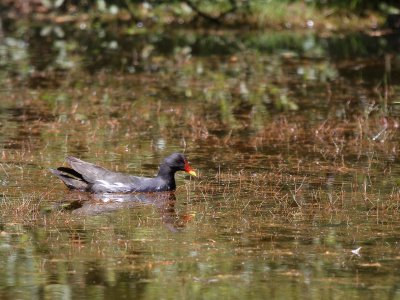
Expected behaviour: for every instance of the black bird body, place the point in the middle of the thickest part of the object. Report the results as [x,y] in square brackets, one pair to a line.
[88,177]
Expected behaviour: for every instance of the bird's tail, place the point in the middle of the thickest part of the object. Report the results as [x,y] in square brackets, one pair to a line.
[71,178]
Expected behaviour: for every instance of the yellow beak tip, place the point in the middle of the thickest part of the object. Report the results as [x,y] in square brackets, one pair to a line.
[193,173]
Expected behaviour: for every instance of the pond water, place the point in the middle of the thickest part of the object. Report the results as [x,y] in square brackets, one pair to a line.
[295,139]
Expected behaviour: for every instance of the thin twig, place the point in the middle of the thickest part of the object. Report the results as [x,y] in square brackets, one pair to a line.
[211,18]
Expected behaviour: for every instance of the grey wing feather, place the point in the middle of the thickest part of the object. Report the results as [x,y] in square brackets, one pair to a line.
[90,172]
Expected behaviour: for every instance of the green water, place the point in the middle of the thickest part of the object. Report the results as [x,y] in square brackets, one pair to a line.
[295,138]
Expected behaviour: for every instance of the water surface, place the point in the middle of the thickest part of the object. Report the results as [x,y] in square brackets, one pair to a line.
[295,138]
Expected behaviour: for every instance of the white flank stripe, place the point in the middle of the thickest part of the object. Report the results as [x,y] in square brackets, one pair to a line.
[112,186]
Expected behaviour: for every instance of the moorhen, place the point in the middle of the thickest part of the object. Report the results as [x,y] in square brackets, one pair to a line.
[87,177]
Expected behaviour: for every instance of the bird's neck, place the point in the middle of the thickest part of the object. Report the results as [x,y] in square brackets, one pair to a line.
[166,173]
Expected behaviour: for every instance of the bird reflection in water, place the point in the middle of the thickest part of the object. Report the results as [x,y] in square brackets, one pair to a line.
[86,204]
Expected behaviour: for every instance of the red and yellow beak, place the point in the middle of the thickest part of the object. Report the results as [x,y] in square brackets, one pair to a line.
[188,169]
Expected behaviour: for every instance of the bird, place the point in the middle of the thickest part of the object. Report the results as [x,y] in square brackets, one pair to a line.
[87,177]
